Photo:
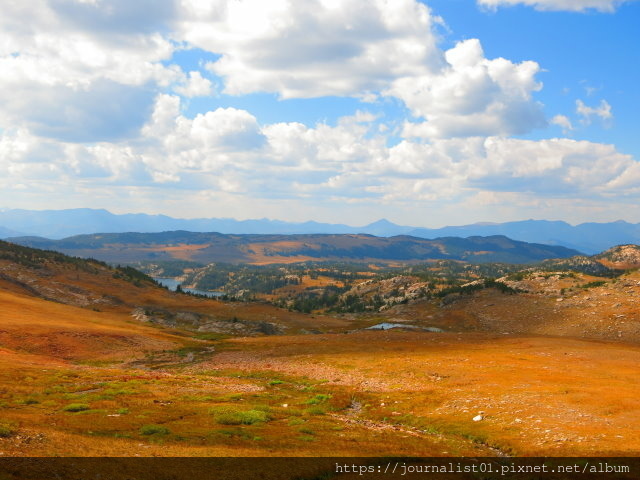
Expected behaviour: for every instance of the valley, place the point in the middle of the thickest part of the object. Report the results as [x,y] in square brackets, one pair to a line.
[495,359]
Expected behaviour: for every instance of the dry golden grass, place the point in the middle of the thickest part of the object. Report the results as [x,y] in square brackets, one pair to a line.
[360,394]
[538,395]
[367,393]
[607,312]
[32,325]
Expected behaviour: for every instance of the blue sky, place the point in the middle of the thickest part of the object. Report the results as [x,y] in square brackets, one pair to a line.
[430,113]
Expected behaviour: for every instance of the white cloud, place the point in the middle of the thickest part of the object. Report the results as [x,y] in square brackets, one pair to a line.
[563,122]
[58,69]
[71,55]
[103,111]
[227,150]
[549,167]
[603,111]
[313,48]
[195,86]
[472,96]
[568,5]
[364,50]
[91,103]
[225,156]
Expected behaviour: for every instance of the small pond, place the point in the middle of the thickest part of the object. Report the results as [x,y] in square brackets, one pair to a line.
[387,326]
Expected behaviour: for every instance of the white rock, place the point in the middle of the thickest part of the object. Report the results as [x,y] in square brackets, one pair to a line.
[478,418]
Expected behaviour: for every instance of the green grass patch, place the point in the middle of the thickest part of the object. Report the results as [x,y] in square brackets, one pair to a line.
[153,429]
[318,399]
[236,433]
[315,411]
[114,392]
[76,407]
[233,416]
[6,431]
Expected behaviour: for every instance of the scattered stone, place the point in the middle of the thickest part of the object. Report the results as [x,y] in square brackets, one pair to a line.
[478,418]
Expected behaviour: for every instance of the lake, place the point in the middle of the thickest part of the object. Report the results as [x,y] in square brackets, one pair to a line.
[172,284]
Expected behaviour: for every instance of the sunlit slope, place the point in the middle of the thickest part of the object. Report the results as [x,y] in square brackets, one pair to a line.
[95,286]
[272,249]
[35,326]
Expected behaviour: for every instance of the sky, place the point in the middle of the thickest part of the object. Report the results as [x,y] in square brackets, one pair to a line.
[427,113]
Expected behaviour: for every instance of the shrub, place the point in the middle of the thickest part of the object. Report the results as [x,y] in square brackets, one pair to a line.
[595,284]
[6,431]
[315,411]
[231,416]
[320,398]
[76,407]
[153,430]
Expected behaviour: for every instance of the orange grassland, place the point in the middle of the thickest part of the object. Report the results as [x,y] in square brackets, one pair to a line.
[78,382]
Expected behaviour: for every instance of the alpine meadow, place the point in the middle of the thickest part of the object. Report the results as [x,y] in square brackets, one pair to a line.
[325,239]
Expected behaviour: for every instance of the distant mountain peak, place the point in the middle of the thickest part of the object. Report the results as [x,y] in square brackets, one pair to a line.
[383,222]
[589,237]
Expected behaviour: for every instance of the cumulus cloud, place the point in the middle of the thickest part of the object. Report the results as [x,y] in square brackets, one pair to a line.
[227,150]
[314,48]
[563,122]
[365,50]
[91,101]
[472,96]
[82,71]
[72,52]
[548,167]
[103,111]
[195,86]
[567,5]
[603,111]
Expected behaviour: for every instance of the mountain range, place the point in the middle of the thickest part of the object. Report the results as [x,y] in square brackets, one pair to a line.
[208,248]
[56,224]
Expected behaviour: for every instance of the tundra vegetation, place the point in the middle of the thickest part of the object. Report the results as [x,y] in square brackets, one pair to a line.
[493,359]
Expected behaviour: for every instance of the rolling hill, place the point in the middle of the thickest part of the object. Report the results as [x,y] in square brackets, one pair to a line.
[588,237]
[93,286]
[273,249]
[100,361]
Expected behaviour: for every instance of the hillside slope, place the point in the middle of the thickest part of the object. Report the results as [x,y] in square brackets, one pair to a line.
[95,286]
[272,249]
[621,257]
